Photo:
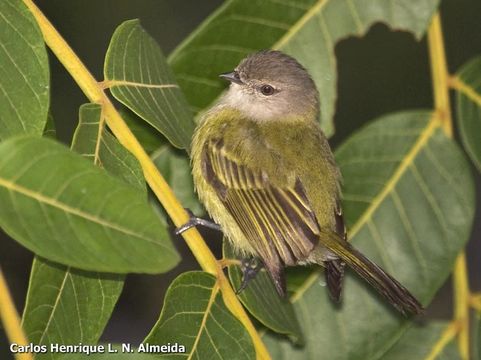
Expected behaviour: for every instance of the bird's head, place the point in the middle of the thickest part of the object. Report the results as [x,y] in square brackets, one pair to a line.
[270,85]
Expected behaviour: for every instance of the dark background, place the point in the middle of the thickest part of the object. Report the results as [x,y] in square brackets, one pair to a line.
[382,72]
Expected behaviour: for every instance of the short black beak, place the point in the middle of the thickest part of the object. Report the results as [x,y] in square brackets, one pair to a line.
[232,76]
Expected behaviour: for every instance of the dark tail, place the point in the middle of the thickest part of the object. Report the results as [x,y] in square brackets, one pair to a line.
[334,273]
[384,283]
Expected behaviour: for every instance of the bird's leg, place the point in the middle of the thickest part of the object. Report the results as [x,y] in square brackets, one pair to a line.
[249,267]
[228,262]
[196,221]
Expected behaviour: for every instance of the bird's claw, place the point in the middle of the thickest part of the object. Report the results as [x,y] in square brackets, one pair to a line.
[249,267]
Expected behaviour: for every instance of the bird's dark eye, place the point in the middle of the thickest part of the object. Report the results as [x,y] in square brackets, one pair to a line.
[236,75]
[267,90]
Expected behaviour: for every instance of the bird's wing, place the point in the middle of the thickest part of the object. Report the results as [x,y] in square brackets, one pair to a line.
[278,222]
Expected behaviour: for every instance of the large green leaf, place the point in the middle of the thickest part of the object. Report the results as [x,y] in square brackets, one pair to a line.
[194,315]
[263,302]
[305,29]
[24,73]
[139,77]
[65,209]
[409,206]
[175,168]
[468,104]
[68,306]
[418,342]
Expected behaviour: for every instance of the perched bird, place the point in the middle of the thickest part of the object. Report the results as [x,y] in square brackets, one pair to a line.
[266,174]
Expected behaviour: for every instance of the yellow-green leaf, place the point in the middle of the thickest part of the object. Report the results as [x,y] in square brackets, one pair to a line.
[24,72]
[194,315]
[139,77]
[68,306]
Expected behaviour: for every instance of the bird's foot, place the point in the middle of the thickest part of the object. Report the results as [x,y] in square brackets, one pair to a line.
[196,221]
[249,267]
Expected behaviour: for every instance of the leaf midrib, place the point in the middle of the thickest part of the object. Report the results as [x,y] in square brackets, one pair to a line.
[68,209]
[54,307]
[113,82]
[299,24]
[203,324]
[424,136]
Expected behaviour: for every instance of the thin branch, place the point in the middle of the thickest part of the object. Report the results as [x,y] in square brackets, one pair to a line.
[456,83]
[95,92]
[11,320]
[461,308]
[447,335]
[439,74]
[441,82]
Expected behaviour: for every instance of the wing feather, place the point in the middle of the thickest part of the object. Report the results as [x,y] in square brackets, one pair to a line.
[278,222]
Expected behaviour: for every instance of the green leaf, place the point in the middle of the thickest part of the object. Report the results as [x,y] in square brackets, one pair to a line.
[175,168]
[305,29]
[194,315]
[68,306]
[468,105]
[92,140]
[67,210]
[50,130]
[418,342]
[24,73]
[149,137]
[139,77]
[261,299]
[409,206]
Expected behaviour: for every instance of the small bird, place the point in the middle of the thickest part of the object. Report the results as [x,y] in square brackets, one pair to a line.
[265,173]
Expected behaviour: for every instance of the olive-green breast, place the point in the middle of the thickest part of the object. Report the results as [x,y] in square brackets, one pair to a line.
[285,149]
